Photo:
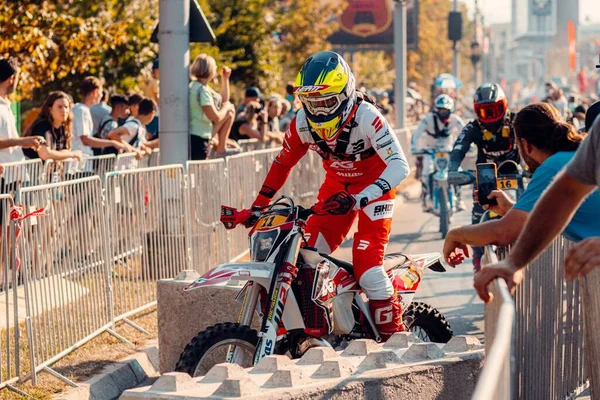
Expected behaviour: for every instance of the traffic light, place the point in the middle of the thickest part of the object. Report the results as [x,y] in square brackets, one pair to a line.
[455,26]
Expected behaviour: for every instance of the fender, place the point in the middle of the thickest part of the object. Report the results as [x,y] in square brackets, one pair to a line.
[261,272]
[258,272]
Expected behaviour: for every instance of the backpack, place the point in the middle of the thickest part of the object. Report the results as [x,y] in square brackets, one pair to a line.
[98,135]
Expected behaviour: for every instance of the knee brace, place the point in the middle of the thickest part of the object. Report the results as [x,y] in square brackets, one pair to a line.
[376,284]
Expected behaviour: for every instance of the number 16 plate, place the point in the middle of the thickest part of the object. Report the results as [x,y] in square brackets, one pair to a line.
[508,184]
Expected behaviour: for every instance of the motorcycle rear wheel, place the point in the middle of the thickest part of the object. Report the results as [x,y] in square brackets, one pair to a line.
[209,348]
[427,323]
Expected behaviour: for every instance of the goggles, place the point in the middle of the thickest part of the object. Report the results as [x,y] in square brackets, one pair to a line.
[317,104]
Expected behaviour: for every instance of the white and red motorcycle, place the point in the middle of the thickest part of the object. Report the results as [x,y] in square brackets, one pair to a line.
[304,299]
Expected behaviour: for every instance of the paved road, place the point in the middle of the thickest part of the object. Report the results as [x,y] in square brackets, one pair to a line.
[451,292]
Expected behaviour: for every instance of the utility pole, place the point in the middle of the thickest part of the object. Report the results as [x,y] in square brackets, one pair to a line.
[456,62]
[400,62]
[475,65]
[174,55]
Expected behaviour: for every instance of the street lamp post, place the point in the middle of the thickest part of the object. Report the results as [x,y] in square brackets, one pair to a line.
[475,58]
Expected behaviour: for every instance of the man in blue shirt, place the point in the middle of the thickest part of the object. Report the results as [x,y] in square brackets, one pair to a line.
[547,145]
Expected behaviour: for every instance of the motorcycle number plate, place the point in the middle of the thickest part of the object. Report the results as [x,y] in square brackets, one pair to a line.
[270,221]
[505,184]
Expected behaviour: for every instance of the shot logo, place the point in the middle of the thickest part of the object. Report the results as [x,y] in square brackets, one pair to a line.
[383,209]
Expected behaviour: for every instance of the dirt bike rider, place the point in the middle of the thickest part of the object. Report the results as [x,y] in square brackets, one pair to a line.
[361,156]
[494,136]
[437,131]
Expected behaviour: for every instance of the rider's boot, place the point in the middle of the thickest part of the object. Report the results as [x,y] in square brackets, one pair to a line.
[387,315]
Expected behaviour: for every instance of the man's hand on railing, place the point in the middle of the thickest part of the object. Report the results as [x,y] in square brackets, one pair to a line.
[503,269]
[582,258]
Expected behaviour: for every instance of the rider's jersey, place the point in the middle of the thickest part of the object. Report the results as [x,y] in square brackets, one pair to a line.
[372,164]
[426,137]
[491,147]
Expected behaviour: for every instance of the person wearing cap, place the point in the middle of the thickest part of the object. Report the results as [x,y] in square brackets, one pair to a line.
[552,213]
[252,94]
[11,145]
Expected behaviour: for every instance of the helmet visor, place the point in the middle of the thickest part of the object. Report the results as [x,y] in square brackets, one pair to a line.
[322,104]
[490,112]
[443,113]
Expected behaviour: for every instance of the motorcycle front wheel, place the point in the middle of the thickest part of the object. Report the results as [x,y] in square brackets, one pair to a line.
[444,212]
[427,323]
[210,347]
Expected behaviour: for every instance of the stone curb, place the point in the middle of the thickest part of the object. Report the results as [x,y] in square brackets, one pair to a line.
[117,377]
[279,377]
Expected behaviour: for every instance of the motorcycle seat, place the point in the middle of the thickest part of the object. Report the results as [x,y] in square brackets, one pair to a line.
[389,261]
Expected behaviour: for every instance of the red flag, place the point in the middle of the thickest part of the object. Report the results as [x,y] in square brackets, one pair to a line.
[572,46]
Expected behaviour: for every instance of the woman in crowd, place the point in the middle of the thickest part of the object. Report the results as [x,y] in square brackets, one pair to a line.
[211,113]
[274,108]
[54,125]
[253,124]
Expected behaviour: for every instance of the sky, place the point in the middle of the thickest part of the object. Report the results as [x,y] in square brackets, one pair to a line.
[498,11]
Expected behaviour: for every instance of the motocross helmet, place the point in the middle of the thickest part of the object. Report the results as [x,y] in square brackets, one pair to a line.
[444,107]
[490,106]
[326,87]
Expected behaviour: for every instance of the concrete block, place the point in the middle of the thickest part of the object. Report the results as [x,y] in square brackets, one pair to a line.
[317,355]
[398,340]
[361,347]
[462,343]
[176,326]
[187,275]
[272,363]
[287,377]
[422,352]
[238,387]
[224,371]
[125,378]
[173,382]
[340,368]
[378,360]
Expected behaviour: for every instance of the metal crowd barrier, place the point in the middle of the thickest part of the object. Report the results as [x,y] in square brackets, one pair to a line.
[59,171]
[549,348]
[495,380]
[248,145]
[147,213]
[21,174]
[551,360]
[64,269]
[10,352]
[207,191]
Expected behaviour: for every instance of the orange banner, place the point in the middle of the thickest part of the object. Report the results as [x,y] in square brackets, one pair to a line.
[572,46]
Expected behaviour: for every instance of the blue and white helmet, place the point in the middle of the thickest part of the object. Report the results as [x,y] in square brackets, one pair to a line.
[444,106]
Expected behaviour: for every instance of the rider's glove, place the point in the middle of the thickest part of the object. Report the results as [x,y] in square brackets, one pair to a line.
[361,201]
[253,218]
[338,204]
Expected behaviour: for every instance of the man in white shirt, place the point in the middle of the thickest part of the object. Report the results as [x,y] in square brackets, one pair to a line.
[83,125]
[10,143]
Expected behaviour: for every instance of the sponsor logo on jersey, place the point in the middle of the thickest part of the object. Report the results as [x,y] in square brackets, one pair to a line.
[382,145]
[342,164]
[304,129]
[380,210]
[349,174]
[390,151]
[385,134]
[358,146]
[383,185]
[377,124]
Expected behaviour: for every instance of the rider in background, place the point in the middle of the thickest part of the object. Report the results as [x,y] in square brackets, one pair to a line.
[437,132]
[493,134]
[361,156]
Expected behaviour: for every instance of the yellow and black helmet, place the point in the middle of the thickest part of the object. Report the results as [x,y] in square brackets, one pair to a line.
[325,86]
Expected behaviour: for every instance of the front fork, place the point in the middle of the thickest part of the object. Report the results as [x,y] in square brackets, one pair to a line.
[283,276]
[249,306]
